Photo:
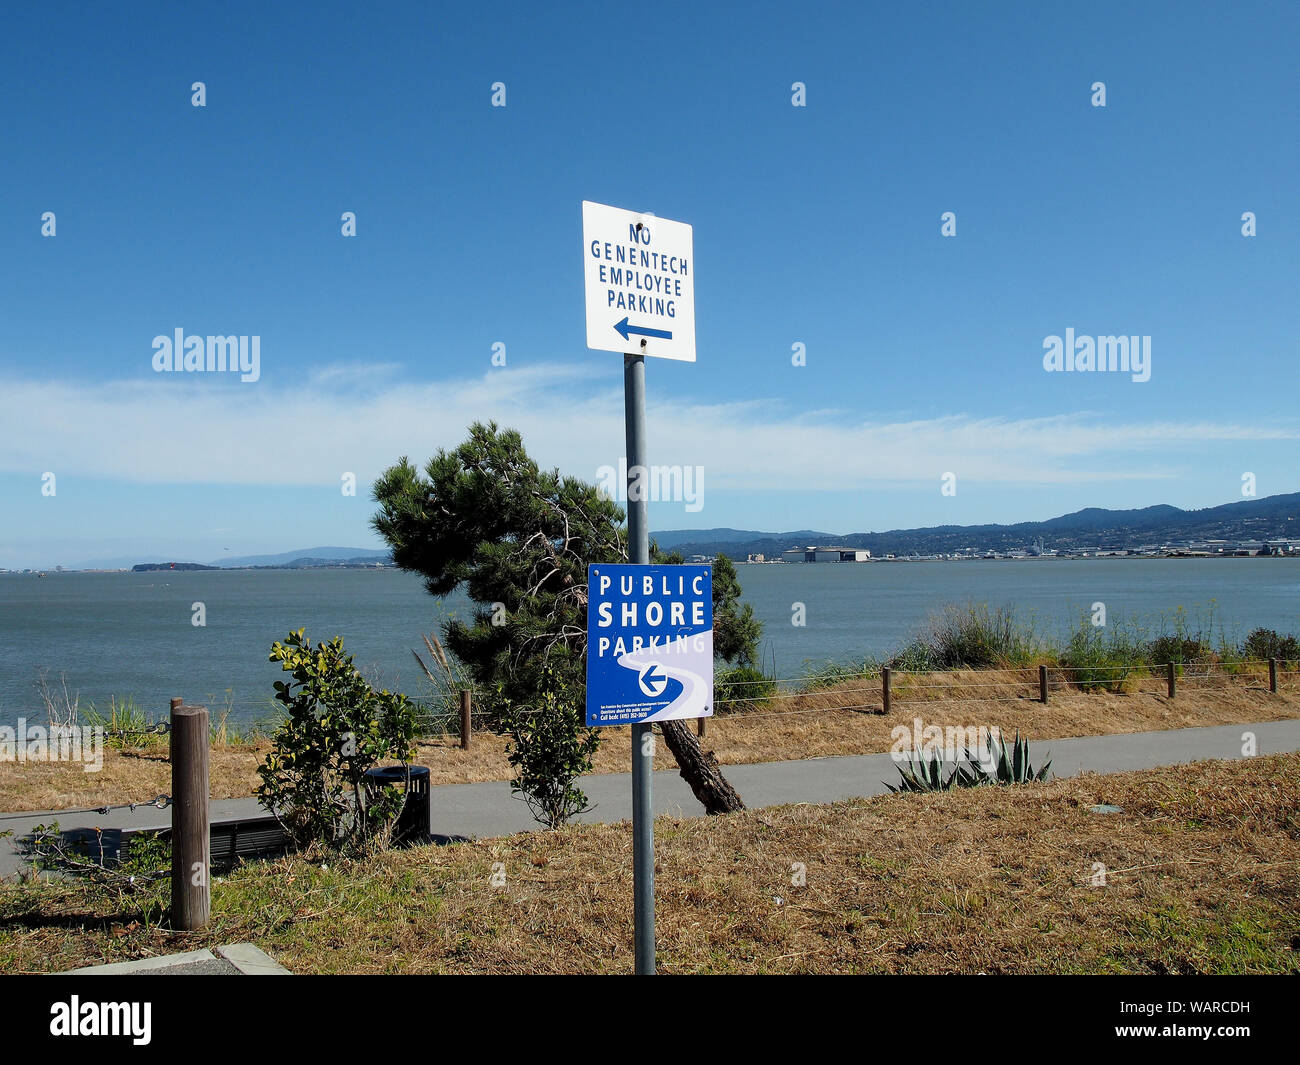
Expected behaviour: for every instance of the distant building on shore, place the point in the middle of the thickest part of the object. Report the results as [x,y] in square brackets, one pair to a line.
[826,554]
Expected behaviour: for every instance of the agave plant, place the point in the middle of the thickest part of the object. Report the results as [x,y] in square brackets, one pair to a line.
[1010,764]
[995,763]
[920,775]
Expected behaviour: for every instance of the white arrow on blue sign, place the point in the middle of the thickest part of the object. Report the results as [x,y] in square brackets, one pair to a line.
[649,643]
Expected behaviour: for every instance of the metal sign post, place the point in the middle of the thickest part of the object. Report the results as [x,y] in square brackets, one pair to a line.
[639,278]
[638,550]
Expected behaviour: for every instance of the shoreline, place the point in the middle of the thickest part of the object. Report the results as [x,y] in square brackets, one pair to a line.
[1106,557]
[1021,558]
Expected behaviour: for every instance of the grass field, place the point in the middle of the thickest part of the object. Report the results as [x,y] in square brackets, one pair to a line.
[1202,876]
[806,726]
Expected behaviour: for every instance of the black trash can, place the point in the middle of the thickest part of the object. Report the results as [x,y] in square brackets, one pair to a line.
[413,822]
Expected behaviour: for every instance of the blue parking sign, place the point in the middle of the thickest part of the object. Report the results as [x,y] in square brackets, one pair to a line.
[649,643]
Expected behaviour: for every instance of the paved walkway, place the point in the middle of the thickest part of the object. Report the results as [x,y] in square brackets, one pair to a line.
[488,809]
[238,959]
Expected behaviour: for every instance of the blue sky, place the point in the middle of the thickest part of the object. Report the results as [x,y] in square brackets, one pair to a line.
[817,225]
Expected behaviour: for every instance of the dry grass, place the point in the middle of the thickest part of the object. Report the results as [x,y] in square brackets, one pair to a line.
[807,726]
[1203,876]
[802,728]
[127,776]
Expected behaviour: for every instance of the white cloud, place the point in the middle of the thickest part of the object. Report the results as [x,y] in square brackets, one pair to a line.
[189,429]
[353,373]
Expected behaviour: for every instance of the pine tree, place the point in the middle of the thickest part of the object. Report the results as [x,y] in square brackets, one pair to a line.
[518,539]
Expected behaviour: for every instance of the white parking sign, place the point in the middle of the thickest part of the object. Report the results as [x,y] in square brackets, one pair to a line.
[640,283]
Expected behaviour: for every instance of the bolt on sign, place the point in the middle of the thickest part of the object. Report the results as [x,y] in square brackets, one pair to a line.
[640,283]
[649,643]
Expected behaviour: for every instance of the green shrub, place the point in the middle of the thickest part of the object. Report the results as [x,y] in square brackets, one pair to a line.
[126,725]
[335,728]
[1181,650]
[1266,643]
[973,636]
[141,869]
[741,688]
[913,657]
[551,746]
[1108,657]
[1103,658]
[822,675]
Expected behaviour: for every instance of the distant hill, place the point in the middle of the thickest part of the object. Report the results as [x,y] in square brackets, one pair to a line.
[307,556]
[669,540]
[1089,529]
[155,567]
[313,562]
[114,562]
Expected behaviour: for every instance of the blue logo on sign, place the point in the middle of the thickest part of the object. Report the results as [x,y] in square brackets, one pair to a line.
[653,681]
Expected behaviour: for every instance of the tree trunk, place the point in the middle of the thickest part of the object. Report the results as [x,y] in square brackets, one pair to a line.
[700,770]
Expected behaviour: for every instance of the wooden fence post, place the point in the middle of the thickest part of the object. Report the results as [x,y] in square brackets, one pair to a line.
[1173,679]
[884,687]
[699,726]
[1272,674]
[191,831]
[1042,683]
[466,714]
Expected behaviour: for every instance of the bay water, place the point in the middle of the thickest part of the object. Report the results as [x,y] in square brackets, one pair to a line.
[131,634]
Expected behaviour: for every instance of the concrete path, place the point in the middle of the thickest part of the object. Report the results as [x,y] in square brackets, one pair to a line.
[488,809]
[237,959]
